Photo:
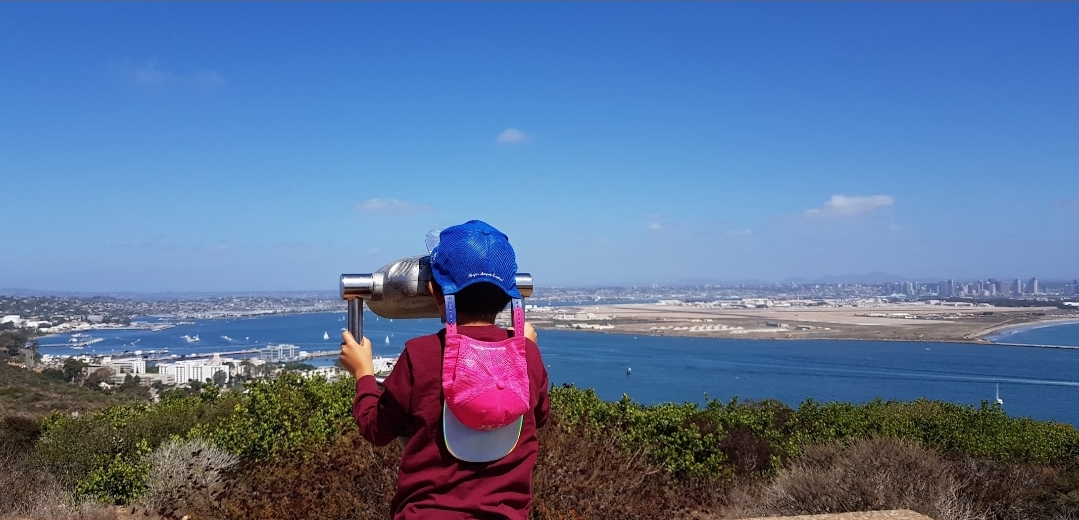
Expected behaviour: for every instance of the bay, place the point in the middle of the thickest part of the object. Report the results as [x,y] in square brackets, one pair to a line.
[1042,383]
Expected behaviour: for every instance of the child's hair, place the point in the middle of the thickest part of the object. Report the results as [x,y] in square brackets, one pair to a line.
[481,300]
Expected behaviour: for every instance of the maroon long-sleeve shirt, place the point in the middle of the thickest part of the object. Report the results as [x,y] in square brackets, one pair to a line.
[431,483]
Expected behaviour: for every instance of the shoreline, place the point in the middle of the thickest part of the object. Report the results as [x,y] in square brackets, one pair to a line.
[1022,327]
[979,326]
[977,341]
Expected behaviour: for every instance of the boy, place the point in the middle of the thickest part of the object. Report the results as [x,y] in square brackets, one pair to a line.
[466,401]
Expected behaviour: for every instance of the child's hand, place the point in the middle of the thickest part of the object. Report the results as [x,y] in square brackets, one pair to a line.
[356,357]
[530,332]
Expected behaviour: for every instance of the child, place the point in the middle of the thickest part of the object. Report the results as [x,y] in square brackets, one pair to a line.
[466,401]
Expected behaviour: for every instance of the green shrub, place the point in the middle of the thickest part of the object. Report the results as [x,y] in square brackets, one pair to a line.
[116,481]
[722,440]
[283,416]
[72,447]
[985,432]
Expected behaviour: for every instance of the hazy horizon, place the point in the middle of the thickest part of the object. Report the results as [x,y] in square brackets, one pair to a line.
[271,147]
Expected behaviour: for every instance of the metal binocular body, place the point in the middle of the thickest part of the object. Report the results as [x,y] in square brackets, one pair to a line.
[398,290]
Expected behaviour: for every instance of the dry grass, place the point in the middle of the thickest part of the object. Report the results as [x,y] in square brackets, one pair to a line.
[28,492]
[582,476]
[349,479]
[185,476]
[875,474]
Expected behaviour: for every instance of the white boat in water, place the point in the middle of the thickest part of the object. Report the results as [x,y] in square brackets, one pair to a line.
[191,339]
[387,340]
[325,336]
[999,400]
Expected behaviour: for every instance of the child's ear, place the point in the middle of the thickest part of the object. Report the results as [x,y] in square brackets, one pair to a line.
[440,299]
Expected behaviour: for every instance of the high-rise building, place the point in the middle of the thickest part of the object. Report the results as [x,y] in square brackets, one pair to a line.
[1017,287]
[998,286]
[1032,287]
[947,288]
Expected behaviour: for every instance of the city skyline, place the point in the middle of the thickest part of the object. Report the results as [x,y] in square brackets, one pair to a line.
[240,147]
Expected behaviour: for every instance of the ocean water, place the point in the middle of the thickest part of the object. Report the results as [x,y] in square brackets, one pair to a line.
[1061,334]
[1042,383]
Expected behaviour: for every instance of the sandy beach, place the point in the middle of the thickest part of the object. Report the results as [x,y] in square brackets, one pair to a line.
[897,322]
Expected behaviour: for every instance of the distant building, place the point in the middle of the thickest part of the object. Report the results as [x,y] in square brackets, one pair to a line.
[1032,287]
[133,366]
[280,353]
[1017,287]
[998,287]
[199,370]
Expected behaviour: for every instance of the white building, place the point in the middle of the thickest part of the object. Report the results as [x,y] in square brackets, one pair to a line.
[199,370]
[133,366]
[279,353]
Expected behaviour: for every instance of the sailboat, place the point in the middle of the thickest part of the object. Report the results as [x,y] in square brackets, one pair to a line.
[325,336]
[387,340]
[999,400]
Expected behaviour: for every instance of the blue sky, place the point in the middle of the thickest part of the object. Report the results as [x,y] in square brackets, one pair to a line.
[226,147]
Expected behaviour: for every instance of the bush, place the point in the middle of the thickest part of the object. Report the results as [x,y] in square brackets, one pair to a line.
[117,481]
[18,432]
[867,475]
[283,416]
[349,478]
[185,476]
[582,475]
[72,447]
[29,490]
[722,441]
[984,432]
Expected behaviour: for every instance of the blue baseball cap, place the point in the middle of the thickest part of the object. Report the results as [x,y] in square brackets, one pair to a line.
[474,252]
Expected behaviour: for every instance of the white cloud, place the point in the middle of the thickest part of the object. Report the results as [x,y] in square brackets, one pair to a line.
[391,207]
[206,79]
[841,205]
[655,226]
[151,76]
[512,135]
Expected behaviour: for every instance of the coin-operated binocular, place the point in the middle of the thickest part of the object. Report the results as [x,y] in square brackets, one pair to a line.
[398,290]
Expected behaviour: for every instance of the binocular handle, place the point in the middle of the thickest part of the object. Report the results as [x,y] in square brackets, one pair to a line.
[355,326]
[355,318]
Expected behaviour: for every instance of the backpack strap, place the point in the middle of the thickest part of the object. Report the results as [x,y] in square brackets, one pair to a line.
[518,318]
[451,315]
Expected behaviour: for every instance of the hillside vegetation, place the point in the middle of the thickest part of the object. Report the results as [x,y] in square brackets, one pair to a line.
[288,448]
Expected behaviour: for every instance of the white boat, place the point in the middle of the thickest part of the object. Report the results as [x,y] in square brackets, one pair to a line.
[190,339]
[325,336]
[226,338]
[387,340]
[629,371]
[999,400]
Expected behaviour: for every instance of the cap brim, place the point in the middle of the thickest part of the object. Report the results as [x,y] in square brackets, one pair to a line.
[471,445]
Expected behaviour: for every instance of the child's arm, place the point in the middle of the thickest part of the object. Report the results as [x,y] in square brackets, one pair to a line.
[380,415]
